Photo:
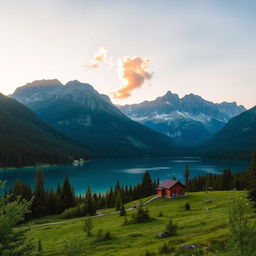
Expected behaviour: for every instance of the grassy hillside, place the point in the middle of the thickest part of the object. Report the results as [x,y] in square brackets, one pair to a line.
[205,224]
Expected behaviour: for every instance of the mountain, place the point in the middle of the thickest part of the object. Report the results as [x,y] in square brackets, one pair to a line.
[92,120]
[190,120]
[237,139]
[26,140]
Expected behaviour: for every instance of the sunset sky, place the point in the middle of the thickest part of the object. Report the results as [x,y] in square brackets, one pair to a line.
[205,47]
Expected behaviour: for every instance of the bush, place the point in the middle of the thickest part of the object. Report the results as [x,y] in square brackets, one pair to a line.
[103,237]
[166,249]
[141,215]
[148,253]
[171,228]
[73,247]
[100,235]
[160,214]
[108,236]
[187,206]
[88,226]
[78,211]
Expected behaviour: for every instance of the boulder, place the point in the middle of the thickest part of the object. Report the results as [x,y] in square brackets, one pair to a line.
[190,246]
[163,234]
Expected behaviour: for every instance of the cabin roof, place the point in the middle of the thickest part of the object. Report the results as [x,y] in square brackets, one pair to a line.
[168,184]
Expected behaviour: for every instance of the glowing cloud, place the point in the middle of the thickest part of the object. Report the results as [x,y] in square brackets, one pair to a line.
[99,57]
[133,73]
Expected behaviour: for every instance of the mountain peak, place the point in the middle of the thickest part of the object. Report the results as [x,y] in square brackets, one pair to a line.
[44,82]
[78,83]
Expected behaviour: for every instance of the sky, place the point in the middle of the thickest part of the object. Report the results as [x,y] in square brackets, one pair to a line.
[205,47]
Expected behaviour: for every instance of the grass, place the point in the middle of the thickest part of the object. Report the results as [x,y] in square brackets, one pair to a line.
[205,224]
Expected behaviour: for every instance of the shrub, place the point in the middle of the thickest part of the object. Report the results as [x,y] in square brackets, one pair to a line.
[165,248]
[78,211]
[160,214]
[141,215]
[73,247]
[187,206]
[108,236]
[88,226]
[148,253]
[171,228]
[100,235]
[103,237]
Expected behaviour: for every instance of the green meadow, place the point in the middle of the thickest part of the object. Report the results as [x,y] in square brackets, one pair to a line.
[205,224]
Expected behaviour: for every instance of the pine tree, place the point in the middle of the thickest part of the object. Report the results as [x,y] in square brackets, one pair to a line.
[122,211]
[118,202]
[242,230]
[88,226]
[187,175]
[252,180]
[147,185]
[67,195]
[14,241]
[39,201]
[89,203]
[226,183]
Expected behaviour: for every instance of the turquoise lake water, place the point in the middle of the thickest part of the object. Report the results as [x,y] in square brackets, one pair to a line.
[103,173]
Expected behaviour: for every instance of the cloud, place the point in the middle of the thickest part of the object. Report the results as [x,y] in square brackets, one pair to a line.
[99,58]
[133,73]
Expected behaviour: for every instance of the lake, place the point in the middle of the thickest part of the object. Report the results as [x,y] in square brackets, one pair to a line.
[101,174]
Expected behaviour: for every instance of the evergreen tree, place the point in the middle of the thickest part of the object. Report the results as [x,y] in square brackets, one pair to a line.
[226,182]
[122,211]
[187,175]
[14,241]
[89,203]
[39,201]
[88,226]
[147,185]
[119,201]
[67,195]
[252,180]
[242,230]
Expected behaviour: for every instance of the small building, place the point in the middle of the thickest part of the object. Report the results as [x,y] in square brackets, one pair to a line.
[171,188]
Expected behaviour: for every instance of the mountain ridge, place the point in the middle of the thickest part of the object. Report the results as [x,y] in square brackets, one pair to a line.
[26,140]
[189,120]
[237,139]
[90,118]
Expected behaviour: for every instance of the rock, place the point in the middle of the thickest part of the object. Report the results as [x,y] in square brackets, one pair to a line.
[163,234]
[208,201]
[190,246]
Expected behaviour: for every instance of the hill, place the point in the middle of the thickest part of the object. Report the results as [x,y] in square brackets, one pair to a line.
[189,120]
[237,139]
[92,120]
[26,140]
[205,224]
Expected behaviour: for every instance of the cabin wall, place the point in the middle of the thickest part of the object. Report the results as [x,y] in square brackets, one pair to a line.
[178,190]
[159,192]
[168,192]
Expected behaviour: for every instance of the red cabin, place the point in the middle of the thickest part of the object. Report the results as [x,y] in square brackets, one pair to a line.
[171,188]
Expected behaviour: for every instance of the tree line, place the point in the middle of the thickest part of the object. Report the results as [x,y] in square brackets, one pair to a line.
[226,181]
[49,201]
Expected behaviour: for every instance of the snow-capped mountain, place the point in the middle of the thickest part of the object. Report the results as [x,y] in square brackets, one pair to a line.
[190,120]
[90,118]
